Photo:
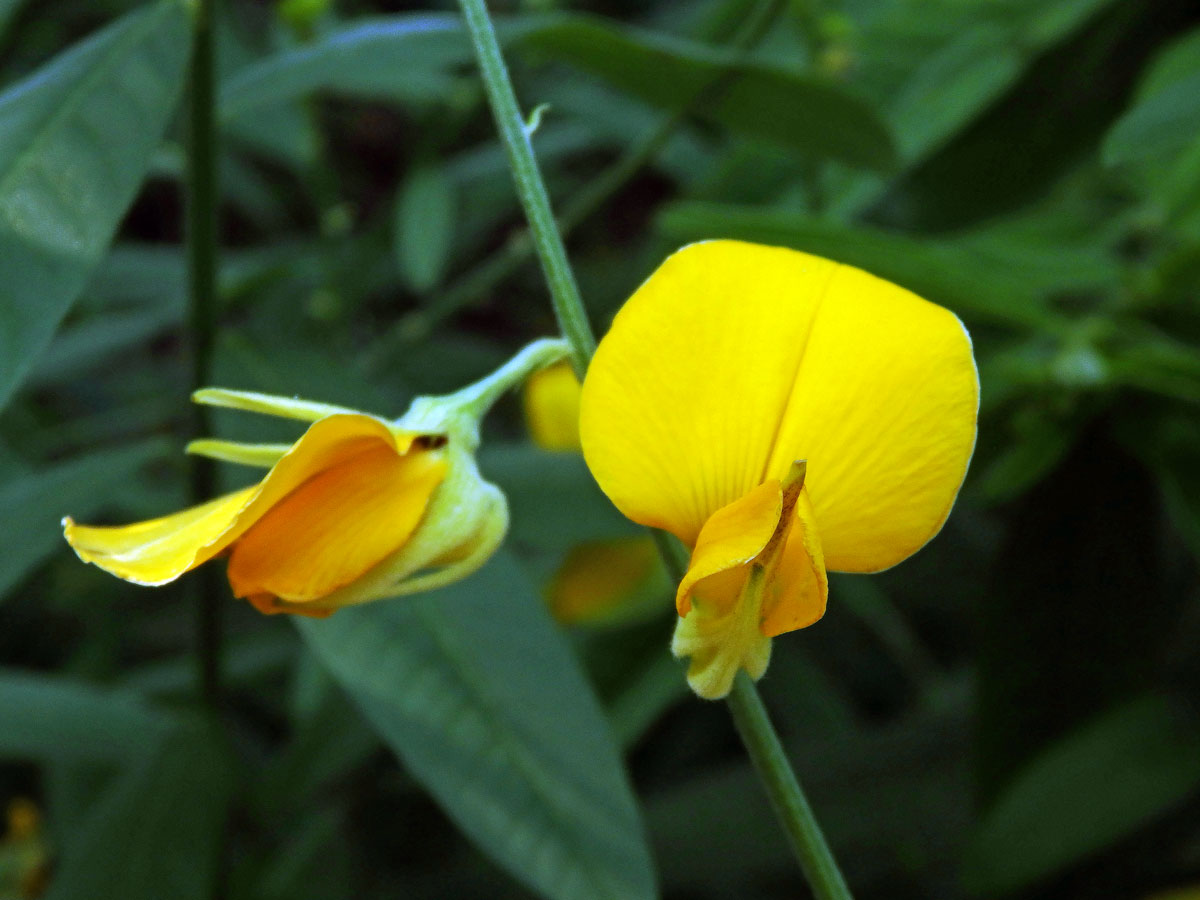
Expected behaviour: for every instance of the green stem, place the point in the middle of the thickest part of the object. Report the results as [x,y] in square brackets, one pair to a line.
[783,789]
[202,280]
[568,306]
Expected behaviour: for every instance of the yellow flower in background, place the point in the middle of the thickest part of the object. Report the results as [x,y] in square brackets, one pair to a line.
[552,408]
[605,581]
[358,509]
[780,414]
[24,857]
[599,581]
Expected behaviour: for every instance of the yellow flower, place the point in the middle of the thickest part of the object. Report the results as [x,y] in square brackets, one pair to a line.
[358,509]
[607,581]
[24,856]
[552,408]
[780,414]
[347,514]
[599,581]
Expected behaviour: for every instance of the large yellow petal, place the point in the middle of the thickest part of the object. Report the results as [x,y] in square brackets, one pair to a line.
[883,408]
[160,550]
[336,525]
[682,403]
[732,537]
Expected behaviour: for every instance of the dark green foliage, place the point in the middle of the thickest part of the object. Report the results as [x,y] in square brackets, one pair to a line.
[1012,713]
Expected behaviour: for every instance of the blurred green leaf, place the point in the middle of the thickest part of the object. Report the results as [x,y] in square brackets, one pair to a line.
[715,833]
[51,717]
[76,139]
[76,350]
[808,114]
[1093,787]
[410,58]
[40,498]
[8,9]
[424,226]
[329,741]
[405,57]
[1040,443]
[156,831]
[951,273]
[1156,362]
[935,66]
[476,691]
[1165,122]
[1167,444]
[1165,116]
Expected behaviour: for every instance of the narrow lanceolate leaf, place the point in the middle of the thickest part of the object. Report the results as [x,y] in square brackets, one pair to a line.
[807,114]
[424,226]
[1165,122]
[404,57]
[156,830]
[1094,787]
[478,694]
[414,58]
[76,139]
[49,718]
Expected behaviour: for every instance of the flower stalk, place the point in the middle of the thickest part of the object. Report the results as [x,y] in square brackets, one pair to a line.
[783,788]
[202,286]
[749,715]
[568,306]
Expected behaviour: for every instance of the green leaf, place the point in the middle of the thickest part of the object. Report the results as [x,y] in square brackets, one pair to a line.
[8,9]
[405,57]
[424,227]
[76,350]
[39,500]
[412,57]
[1165,122]
[76,139]
[52,718]
[808,114]
[958,276]
[1167,444]
[1089,790]
[156,831]
[477,692]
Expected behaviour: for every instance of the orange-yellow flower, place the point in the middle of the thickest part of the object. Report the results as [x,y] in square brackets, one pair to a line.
[781,415]
[359,508]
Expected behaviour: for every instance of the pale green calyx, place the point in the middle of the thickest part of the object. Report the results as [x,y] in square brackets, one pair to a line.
[458,415]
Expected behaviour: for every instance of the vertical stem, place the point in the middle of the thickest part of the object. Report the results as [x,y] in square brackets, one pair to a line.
[568,305]
[783,789]
[202,284]
[749,715]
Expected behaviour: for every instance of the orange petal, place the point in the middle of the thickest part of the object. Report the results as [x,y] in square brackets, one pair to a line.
[796,594]
[336,525]
[729,540]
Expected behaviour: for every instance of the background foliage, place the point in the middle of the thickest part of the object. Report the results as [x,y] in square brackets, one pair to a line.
[1014,712]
